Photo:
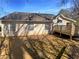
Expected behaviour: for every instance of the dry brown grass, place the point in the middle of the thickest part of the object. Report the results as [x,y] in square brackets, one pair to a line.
[38,47]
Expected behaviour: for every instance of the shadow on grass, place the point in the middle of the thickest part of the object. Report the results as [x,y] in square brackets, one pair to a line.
[63,36]
[16,49]
[33,46]
[74,52]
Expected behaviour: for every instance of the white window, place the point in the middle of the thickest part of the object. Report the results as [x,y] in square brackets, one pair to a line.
[47,27]
[6,27]
[59,21]
[12,27]
[31,27]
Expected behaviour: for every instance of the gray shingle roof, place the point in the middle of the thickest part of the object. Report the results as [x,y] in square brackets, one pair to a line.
[26,16]
[70,15]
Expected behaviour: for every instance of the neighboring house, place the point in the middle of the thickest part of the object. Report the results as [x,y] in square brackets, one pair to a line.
[22,24]
[63,23]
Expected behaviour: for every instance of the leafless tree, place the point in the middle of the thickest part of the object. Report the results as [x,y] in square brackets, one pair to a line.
[74,8]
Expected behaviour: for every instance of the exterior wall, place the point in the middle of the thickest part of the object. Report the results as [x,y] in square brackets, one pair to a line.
[64,22]
[39,29]
[2,32]
[6,30]
[1,28]
[22,30]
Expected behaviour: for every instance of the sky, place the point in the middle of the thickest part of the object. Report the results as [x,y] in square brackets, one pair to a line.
[34,6]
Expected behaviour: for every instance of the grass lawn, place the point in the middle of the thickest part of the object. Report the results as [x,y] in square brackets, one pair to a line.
[40,47]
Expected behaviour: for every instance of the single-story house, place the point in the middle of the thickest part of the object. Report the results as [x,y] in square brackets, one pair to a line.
[22,24]
[63,23]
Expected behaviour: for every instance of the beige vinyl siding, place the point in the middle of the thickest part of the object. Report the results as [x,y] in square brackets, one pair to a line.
[39,29]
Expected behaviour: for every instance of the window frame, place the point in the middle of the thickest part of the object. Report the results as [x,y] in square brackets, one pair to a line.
[47,27]
[59,21]
[30,26]
[13,27]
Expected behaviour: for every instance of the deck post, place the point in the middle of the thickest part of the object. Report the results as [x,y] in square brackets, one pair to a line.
[70,31]
[60,30]
[52,28]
